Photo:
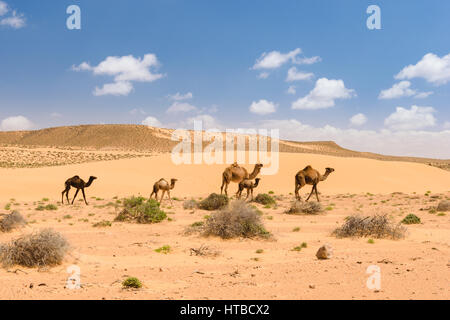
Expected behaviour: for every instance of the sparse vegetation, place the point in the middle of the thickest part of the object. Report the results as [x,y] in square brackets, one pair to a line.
[141,210]
[190,204]
[49,207]
[378,226]
[265,199]
[44,248]
[164,249]
[237,220]
[411,219]
[214,202]
[102,224]
[132,283]
[298,207]
[11,221]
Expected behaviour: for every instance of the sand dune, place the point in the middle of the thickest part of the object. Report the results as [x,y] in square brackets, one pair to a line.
[133,176]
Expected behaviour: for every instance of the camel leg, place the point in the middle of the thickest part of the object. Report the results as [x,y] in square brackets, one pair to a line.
[162,196]
[312,190]
[317,195]
[298,186]
[168,194]
[75,195]
[66,191]
[84,196]
[226,189]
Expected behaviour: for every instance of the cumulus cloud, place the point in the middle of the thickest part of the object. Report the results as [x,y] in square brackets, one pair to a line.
[179,97]
[15,21]
[275,59]
[423,95]
[358,119]
[295,75]
[207,121]
[398,90]
[3,8]
[263,107]
[402,143]
[411,119]
[291,90]
[125,70]
[121,88]
[263,75]
[152,122]
[16,123]
[181,107]
[431,67]
[324,95]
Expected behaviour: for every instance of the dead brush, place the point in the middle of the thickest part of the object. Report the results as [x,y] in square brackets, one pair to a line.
[299,207]
[378,226]
[11,221]
[204,251]
[40,249]
[236,220]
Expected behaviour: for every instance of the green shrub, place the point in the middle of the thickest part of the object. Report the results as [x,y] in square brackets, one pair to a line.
[102,224]
[237,220]
[141,210]
[264,199]
[164,249]
[411,219]
[132,283]
[213,202]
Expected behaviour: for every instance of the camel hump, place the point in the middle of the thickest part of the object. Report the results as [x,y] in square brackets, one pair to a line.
[308,167]
[76,177]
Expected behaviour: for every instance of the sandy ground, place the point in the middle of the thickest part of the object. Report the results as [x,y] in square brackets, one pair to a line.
[417,267]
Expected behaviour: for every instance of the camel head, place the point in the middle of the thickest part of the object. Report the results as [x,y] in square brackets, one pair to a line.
[329,170]
[92,178]
[257,180]
[256,170]
[172,182]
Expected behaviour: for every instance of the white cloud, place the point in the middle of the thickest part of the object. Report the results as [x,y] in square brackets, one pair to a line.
[178,107]
[446,125]
[291,90]
[208,122]
[263,75]
[3,8]
[294,75]
[323,95]
[179,97]
[431,68]
[263,107]
[423,95]
[311,60]
[17,123]
[16,20]
[398,90]
[151,122]
[402,143]
[275,59]
[136,111]
[122,88]
[56,115]
[125,70]
[411,119]
[358,119]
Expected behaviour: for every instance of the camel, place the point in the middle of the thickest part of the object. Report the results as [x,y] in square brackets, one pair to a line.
[78,183]
[163,185]
[312,177]
[236,173]
[249,185]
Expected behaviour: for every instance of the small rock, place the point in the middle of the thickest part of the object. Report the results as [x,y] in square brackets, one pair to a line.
[31,286]
[311,286]
[325,252]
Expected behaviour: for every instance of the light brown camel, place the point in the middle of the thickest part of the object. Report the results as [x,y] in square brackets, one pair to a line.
[312,177]
[236,173]
[163,185]
[249,185]
[78,183]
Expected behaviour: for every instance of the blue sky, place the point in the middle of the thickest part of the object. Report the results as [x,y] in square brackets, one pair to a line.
[229,62]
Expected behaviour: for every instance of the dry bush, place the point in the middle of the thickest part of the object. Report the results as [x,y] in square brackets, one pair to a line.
[44,248]
[443,206]
[11,221]
[265,199]
[236,220]
[213,202]
[205,251]
[141,210]
[190,204]
[298,207]
[378,226]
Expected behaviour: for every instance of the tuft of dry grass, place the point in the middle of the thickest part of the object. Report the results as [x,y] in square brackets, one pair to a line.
[11,221]
[444,205]
[190,204]
[40,249]
[299,207]
[378,226]
[236,220]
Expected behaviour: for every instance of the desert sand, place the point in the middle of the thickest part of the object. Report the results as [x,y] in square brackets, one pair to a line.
[416,267]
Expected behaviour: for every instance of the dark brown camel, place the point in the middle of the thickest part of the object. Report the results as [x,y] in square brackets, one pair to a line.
[78,183]
[312,177]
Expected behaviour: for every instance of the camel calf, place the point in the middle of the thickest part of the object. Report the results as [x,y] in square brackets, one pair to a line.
[163,185]
[249,185]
